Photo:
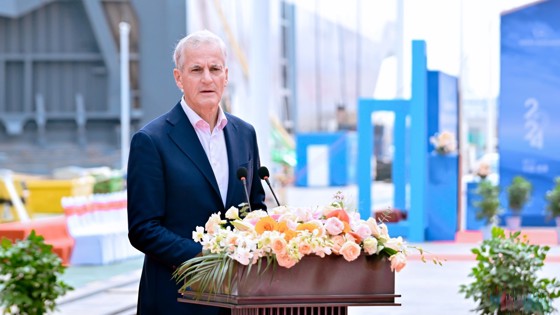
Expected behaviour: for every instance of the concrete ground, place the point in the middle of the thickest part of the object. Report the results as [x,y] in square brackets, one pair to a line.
[425,288]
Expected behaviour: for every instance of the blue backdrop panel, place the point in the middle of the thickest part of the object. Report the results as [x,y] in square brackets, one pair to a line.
[338,156]
[443,170]
[442,201]
[529,112]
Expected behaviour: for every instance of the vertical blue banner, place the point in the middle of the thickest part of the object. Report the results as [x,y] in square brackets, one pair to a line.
[443,170]
[443,104]
[529,110]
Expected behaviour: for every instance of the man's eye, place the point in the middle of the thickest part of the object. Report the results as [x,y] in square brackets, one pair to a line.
[195,70]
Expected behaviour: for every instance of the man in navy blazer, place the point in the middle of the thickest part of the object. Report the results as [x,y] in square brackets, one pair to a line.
[182,168]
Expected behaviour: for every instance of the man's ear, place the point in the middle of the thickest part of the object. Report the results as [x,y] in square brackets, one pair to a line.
[177,76]
[226,82]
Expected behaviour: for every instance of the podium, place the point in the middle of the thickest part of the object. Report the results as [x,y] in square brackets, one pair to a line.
[314,286]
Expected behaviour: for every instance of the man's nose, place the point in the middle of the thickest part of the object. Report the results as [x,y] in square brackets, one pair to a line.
[206,75]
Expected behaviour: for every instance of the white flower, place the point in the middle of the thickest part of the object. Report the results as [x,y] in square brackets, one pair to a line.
[242,226]
[256,214]
[242,255]
[198,234]
[383,231]
[375,231]
[279,210]
[396,243]
[370,245]
[232,213]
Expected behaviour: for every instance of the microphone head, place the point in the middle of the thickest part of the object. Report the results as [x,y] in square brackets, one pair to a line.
[242,173]
[263,172]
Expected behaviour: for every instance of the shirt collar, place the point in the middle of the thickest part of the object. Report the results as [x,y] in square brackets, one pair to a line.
[200,123]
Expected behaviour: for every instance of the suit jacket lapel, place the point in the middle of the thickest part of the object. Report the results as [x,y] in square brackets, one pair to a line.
[230,134]
[183,135]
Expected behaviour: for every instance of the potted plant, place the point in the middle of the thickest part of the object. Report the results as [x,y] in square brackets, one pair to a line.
[553,206]
[30,276]
[505,277]
[518,193]
[488,205]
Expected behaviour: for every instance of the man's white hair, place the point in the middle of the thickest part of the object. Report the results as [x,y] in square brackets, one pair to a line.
[194,40]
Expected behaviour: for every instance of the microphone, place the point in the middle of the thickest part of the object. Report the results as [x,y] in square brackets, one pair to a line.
[242,175]
[264,174]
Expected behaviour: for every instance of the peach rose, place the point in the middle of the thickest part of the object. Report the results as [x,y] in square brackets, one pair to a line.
[363,230]
[398,262]
[350,251]
[341,214]
[338,241]
[304,248]
[285,260]
[279,245]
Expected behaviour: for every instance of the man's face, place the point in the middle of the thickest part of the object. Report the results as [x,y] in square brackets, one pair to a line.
[203,76]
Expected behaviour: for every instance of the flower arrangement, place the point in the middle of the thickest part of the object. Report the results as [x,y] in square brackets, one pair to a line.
[282,236]
[444,142]
[483,170]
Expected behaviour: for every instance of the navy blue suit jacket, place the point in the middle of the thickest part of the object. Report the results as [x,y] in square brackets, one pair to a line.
[171,190]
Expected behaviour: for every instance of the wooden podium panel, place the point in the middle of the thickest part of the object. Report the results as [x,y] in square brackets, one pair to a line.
[314,286]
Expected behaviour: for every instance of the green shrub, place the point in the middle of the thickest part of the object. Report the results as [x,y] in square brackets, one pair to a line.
[553,198]
[489,203]
[29,281]
[518,193]
[505,277]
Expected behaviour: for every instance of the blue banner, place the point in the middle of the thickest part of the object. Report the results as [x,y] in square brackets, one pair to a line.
[529,111]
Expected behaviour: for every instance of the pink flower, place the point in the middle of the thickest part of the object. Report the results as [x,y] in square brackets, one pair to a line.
[285,260]
[279,246]
[334,226]
[363,230]
[213,223]
[350,251]
[398,262]
[304,248]
[232,241]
